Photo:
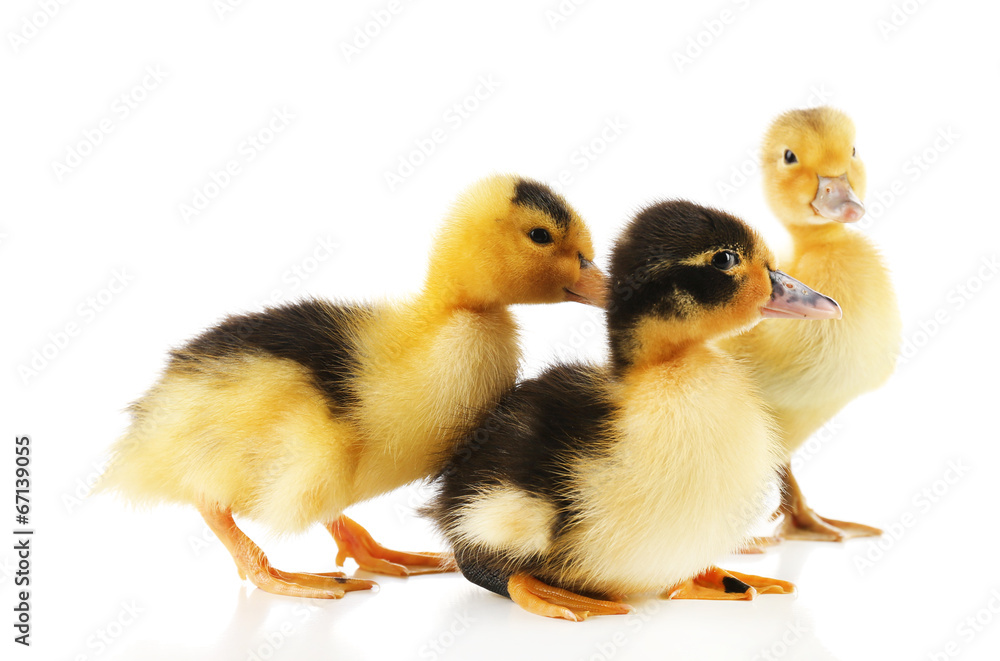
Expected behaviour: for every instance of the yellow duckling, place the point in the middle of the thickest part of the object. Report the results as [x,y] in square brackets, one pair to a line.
[591,483]
[289,415]
[814,181]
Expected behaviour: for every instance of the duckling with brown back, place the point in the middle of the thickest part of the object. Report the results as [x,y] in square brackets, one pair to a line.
[289,415]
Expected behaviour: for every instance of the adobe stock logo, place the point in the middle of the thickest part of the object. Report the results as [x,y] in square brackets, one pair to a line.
[712,29]
[364,35]
[970,628]
[453,118]
[86,312]
[32,24]
[899,16]
[956,300]
[922,504]
[218,180]
[123,107]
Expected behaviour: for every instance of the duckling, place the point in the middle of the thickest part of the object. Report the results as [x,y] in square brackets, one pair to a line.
[814,181]
[589,483]
[289,415]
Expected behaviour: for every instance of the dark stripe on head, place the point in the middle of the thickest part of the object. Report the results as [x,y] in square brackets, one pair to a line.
[539,196]
[648,276]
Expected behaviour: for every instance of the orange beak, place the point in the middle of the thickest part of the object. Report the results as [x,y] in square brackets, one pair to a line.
[590,288]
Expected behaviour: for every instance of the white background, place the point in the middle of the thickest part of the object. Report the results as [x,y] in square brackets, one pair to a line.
[684,129]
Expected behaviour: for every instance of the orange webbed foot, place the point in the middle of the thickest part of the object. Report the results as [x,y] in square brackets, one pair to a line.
[253,564]
[806,525]
[719,584]
[353,541]
[802,523]
[542,599]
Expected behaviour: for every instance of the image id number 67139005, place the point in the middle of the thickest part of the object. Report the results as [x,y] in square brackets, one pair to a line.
[22,539]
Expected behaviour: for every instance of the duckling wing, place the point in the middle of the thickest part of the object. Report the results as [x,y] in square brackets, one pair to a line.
[317,334]
[242,417]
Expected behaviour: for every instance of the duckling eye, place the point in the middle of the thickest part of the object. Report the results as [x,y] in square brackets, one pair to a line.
[790,157]
[540,235]
[854,152]
[725,260]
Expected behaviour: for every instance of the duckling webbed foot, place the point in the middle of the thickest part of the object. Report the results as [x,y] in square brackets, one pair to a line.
[719,584]
[806,525]
[253,564]
[802,523]
[353,541]
[540,598]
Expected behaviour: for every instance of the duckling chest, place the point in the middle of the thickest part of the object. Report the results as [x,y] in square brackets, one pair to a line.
[841,358]
[685,480]
[416,403]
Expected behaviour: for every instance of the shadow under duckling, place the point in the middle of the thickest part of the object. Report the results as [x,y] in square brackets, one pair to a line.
[814,181]
[589,483]
[289,415]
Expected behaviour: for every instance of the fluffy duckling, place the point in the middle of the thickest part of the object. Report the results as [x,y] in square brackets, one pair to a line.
[289,415]
[590,483]
[814,181]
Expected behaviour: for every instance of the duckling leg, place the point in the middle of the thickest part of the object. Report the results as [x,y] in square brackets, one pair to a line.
[353,541]
[761,544]
[720,584]
[801,522]
[542,599]
[251,562]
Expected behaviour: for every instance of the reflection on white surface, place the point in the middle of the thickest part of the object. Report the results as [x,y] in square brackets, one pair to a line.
[191,604]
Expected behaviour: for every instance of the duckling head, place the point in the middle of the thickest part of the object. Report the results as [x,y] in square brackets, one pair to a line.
[511,240]
[682,274]
[812,173]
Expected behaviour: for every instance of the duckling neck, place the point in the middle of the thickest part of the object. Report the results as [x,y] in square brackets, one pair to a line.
[664,354]
[443,292]
[805,236]
[653,342]
[842,263]
[437,361]
[438,300]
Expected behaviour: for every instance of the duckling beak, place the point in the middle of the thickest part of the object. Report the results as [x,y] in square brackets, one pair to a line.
[790,299]
[835,200]
[590,288]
